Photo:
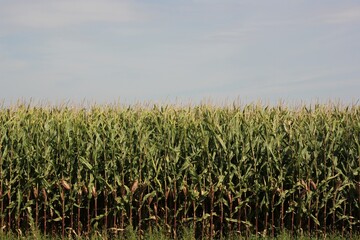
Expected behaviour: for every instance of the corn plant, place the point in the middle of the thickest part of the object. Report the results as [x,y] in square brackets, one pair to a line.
[243,170]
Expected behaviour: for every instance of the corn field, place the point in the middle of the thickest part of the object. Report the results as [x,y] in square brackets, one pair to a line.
[72,171]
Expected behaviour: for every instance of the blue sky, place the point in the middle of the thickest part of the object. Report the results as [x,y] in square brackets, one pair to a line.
[186,51]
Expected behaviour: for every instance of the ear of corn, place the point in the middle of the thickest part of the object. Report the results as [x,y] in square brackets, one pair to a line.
[250,169]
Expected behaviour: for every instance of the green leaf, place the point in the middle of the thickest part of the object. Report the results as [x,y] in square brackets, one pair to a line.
[86,163]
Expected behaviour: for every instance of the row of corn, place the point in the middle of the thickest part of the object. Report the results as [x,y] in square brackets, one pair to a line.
[240,170]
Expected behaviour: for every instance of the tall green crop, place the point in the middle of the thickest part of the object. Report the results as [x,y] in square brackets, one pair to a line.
[220,170]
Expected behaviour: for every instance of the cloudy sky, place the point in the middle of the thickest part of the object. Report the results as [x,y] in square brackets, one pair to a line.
[179,50]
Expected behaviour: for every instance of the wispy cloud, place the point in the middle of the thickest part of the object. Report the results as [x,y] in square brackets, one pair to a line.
[52,14]
[348,15]
[234,34]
